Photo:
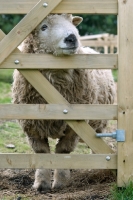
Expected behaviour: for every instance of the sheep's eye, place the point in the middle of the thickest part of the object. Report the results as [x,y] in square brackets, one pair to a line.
[44,27]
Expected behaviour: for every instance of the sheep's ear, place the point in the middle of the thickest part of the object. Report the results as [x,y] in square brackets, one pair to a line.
[77,20]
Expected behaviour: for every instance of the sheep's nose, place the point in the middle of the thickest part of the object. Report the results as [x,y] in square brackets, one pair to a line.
[71,40]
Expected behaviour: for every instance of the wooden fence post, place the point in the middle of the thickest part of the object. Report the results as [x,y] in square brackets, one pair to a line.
[125,91]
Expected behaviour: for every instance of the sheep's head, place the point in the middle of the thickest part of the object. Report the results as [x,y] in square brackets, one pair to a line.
[56,34]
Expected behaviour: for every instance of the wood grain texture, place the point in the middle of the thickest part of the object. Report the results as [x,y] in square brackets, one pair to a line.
[55,111]
[51,95]
[57,161]
[24,27]
[32,61]
[125,91]
[66,6]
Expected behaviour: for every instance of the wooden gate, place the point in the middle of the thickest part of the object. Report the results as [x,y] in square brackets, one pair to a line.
[28,64]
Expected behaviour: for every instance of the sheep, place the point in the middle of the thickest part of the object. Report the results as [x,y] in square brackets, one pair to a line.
[58,35]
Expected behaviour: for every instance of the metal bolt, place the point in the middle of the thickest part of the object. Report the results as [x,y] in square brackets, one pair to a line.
[108,158]
[16,62]
[45,5]
[65,111]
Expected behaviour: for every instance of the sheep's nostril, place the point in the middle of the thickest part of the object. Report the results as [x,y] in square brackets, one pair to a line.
[71,39]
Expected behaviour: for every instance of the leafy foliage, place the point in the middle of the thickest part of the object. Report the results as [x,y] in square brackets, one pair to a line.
[95,24]
[7,22]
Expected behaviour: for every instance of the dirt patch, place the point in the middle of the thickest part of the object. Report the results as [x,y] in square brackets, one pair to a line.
[83,185]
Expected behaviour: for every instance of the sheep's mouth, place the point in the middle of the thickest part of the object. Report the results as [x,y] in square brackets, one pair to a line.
[69,48]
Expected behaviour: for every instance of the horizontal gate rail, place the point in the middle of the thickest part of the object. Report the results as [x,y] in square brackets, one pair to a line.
[58,111]
[66,6]
[58,161]
[30,61]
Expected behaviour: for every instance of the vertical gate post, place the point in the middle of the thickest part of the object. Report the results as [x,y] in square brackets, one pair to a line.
[125,91]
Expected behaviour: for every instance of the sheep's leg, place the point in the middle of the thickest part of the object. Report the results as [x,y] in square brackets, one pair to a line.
[42,176]
[66,144]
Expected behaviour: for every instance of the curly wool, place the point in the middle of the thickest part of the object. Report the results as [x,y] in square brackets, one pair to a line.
[77,86]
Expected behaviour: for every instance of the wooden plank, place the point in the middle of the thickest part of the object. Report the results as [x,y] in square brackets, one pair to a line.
[125,92]
[55,111]
[25,26]
[30,61]
[57,161]
[66,6]
[51,95]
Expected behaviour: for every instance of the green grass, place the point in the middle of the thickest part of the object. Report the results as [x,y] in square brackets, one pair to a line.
[5,85]
[5,92]
[115,74]
[6,75]
[122,193]
[81,148]
[11,133]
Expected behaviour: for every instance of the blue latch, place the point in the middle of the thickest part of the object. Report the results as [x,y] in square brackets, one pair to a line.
[119,135]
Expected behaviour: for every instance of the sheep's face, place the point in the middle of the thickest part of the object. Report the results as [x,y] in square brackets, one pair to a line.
[57,34]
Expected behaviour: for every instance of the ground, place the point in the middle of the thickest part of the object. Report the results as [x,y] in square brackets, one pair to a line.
[83,185]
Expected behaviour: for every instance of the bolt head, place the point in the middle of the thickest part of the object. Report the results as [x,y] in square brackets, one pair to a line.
[65,111]
[45,5]
[108,158]
[16,62]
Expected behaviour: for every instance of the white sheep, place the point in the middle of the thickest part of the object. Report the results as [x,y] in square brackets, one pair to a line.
[58,35]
